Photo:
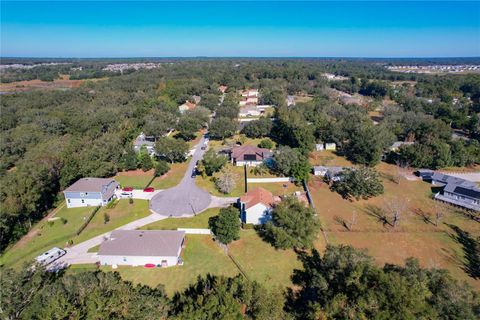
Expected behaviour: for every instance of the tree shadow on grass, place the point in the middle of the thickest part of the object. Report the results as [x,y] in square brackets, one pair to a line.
[342,222]
[471,251]
[424,215]
[377,212]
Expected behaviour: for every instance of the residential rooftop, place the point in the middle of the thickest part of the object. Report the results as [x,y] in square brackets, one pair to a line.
[150,243]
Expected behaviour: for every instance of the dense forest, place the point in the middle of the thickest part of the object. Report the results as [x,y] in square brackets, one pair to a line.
[337,285]
[51,138]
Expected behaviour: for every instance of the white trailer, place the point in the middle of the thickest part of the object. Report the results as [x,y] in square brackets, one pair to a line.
[50,256]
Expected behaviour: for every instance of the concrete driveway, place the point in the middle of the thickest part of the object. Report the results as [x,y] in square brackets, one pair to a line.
[137,194]
[185,199]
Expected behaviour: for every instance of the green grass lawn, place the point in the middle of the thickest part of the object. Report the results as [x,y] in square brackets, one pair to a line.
[198,221]
[208,183]
[56,233]
[172,177]
[122,213]
[262,262]
[47,235]
[277,188]
[136,179]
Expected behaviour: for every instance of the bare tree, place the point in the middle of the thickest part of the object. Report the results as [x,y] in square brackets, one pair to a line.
[395,207]
[440,210]
[225,181]
[353,220]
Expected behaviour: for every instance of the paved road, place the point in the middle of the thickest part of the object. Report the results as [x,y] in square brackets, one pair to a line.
[185,199]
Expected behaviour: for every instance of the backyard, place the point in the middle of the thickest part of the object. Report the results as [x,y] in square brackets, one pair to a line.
[367,224]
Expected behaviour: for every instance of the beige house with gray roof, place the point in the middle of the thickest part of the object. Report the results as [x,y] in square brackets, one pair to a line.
[161,248]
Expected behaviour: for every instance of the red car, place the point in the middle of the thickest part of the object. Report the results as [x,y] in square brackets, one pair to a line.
[148,189]
[128,189]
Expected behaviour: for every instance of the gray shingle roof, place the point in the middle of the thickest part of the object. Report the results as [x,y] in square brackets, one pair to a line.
[151,243]
[106,186]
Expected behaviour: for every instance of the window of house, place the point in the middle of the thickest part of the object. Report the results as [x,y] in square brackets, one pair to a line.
[83,201]
[68,200]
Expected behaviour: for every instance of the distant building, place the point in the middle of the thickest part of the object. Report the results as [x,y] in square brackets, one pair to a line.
[143,140]
[186,106]
[397,144]
[250,93]
[250,155]
[197,99]
[330,146]
[222,89]
[290,100]
[256,206]
[249,111]
[331,173]
[161,248]
[90,192]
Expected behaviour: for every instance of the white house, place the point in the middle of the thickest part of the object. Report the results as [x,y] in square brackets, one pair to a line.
[256,206]
[329,172]
[250,93]
[330,146]
[161,248]
[319,147]
[90,192]
[249,111]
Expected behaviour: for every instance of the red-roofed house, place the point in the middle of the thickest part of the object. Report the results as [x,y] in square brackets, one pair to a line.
[250,155]
[256,206]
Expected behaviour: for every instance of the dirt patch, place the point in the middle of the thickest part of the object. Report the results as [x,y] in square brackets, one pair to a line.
[63,83]
[134,173]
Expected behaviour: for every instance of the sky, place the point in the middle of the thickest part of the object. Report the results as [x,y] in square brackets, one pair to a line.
[240,29]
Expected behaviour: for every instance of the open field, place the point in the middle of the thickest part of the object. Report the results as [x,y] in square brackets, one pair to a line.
[327,158]
[416,234]
[208,183]
[58,84]
[51,234]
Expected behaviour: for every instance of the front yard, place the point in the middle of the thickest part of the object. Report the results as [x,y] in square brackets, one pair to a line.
[208,183]
[56,233]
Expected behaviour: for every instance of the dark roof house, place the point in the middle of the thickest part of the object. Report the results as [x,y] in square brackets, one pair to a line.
[250,155]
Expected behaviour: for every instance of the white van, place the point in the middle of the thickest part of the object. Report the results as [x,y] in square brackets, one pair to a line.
[50,256]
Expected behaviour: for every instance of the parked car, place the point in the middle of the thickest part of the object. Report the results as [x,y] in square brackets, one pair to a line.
[149,189]
[127,189]
[126,194]
[194,173]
